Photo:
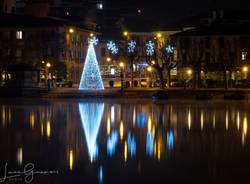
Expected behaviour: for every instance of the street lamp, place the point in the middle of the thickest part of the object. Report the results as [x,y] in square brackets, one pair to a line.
[149,69]
[48,65]
[189,72]
[71,30]
[122,73]
[159,35]
[125,33]
[108,59]
[245,69]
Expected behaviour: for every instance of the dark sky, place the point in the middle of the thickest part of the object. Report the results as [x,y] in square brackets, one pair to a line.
[179,7]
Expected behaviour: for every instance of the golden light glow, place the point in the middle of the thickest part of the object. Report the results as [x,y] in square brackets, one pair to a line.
[108,125]
[125,151]
[245,126]
[42,129]
[202,120]
[71,160]
[19,156]
[71,30]
[189,72]
[214,120]
[91,34]
[238,120]
[245,69]
[153,62]
[125,33]
[159,149]
[43,62]
[3,115]
[121,130]
[189,119]
[108,59]
[149,69]
[32,120]
[48,65]
[149,124]
[121,64]
[159,35]
[227,120]
[48,129]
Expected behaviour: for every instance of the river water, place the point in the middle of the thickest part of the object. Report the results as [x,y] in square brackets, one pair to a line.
[125,141]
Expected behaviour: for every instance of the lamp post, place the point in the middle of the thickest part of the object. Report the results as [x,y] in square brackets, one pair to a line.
[48,65]
[122,74]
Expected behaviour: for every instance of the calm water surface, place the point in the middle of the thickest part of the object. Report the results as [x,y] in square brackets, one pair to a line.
[126,141]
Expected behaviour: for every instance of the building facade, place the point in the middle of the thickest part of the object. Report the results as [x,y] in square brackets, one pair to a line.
[218,52]
[38,41]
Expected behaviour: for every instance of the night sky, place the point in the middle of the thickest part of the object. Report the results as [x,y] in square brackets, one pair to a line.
[178,8]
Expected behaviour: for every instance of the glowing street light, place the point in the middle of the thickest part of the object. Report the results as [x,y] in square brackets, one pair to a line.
[245,69]
[91,34]
[108,59]
[189,72]
[125,33]
[159,35]
[122,65]
[71,30]
[48,65]
[153,62]
[149,69]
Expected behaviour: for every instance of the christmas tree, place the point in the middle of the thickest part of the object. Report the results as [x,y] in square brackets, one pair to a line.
[91,78]
[91,116]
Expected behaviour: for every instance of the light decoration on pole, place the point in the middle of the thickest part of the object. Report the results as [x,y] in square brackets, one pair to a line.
[150,48]
[94,40]
[112,47]
[170,49]
[91,116]
[131,46]
[91,77]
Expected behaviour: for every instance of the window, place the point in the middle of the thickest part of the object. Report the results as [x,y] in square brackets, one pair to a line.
[244,56]
[19,35]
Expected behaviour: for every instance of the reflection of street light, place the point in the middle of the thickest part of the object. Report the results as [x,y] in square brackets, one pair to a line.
[122,73]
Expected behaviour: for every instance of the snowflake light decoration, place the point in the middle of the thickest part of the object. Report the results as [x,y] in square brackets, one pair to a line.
[170,49]
[112,47]
[150,48]
[131,46]
[94,40]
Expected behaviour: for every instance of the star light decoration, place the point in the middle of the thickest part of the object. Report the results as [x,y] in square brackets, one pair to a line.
[112,47]
[131,46]
[94,41]
[150,48]
[170,49]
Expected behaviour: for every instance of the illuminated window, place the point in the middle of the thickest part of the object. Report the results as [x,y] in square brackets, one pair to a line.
[244,56]
[99,6]
[19,35]
[112,71]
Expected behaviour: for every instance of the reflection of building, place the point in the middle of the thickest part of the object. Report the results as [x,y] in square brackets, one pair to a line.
[33,40]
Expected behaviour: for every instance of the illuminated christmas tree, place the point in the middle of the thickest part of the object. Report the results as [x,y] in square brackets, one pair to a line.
[91,78]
